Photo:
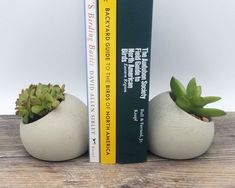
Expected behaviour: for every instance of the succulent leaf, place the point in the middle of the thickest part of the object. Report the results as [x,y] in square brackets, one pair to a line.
[25,119]
[183,103]
[39,92]
[199,91]
[211,99]
[177,88]
[37,109]
[203,101]
[191,88]
[23,112]
[49,97]
[198,101]
[55,104]
[208,112]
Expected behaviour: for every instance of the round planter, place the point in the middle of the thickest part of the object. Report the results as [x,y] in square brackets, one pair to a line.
[60,135]
[175,134]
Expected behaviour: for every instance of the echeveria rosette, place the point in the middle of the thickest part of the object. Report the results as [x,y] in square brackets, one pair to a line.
[190,100]
[38,100]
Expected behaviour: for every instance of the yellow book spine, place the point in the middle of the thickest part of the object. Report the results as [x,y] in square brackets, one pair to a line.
[107,66]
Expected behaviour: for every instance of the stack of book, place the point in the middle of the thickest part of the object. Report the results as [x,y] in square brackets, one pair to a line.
[118,36]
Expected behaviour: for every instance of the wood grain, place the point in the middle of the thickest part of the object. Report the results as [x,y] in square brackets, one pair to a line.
[214,169]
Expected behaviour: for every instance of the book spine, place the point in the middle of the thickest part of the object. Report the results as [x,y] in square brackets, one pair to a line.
[133,66]
[107,67]
[92,78]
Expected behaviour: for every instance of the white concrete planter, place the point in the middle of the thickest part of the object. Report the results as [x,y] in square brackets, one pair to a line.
[60,135]
[175,134]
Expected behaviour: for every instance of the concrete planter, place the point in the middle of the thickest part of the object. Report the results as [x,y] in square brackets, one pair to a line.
[60,135]
[175,134]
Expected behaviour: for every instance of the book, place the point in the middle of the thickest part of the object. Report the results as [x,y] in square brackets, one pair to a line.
[92,79]
[107,69]
[134,27]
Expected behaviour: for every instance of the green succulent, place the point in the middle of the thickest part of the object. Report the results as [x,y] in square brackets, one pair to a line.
[38,100]
[190,100]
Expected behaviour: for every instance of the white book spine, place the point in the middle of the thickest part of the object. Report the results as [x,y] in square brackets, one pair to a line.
[92,78]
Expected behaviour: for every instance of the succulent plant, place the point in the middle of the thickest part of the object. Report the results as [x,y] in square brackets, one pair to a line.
[38,100]
[190,100]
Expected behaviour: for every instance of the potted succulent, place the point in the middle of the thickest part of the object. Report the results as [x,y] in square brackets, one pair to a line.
[53,124]
[179,125]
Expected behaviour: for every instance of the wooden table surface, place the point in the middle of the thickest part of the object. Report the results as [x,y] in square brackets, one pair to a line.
[214,169]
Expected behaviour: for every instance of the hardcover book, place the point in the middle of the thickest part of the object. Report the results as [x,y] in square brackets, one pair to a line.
[92,79]
[107,67]
[134,24]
